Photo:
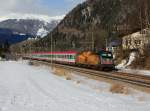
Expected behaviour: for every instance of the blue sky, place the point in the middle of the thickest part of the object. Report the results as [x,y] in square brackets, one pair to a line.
[60,6]
[46,7]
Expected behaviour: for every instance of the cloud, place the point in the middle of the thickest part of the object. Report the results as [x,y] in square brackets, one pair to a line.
[41,7]
[45,18]
[21,6]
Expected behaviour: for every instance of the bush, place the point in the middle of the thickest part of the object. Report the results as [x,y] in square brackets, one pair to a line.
[120,89]
[121,55]
[143,60]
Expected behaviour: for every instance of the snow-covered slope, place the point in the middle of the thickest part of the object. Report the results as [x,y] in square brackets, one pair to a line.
[42,32]
[32,88]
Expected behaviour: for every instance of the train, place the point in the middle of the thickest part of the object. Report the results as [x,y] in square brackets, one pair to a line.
[99,60]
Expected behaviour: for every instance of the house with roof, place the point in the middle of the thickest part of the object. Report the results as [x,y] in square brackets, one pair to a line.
[114,46]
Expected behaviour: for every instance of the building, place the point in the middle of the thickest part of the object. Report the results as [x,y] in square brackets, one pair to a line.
[114,46]
[139,40]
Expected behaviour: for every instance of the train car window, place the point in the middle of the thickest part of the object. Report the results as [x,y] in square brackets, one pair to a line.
[67,56]
[71,57]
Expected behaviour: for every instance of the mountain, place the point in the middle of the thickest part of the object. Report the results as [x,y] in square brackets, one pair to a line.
[15,29]
[11,37]
[93,22]
[29,26]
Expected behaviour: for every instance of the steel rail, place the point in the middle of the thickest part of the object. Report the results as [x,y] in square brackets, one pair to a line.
[134,79]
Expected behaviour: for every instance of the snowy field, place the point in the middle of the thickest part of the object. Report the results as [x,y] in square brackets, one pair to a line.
[32,88]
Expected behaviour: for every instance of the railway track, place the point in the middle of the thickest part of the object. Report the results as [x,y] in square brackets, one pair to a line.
[133,79]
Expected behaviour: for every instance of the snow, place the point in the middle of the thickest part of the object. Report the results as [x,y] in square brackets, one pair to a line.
[19,16]
[35,88]
[137,34]
[123,66]
[126,63]
[42,32]
[136,71]
[19,33]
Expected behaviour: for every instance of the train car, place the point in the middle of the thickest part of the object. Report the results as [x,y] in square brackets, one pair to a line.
[60,57]
[100,60]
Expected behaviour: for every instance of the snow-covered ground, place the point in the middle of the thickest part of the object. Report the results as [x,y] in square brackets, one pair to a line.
[126,63]
[35,88]
[124,66]
[135,71]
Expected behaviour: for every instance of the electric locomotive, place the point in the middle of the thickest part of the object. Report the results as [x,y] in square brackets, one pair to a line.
[100,60]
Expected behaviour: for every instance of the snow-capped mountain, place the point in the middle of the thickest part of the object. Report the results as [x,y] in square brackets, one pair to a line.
[31,25]
[42,32]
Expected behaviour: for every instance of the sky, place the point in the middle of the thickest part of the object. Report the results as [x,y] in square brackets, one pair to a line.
[41,7]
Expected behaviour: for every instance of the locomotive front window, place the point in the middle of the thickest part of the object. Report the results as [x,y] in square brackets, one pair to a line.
[109,55]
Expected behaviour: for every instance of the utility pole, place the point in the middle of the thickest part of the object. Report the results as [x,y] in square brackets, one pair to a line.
[52,57]
[92,41]
[106,42]
[51,48]
[93,44]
